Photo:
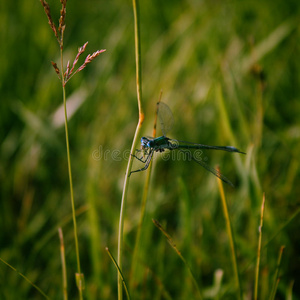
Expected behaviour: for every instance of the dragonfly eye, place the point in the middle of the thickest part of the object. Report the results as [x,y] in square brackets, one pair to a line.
[144,141]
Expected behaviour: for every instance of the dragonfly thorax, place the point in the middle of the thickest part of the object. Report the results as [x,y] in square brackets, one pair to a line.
[157,144]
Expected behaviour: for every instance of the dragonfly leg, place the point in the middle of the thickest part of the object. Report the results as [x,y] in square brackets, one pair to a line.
[140,159]
[145,154]
[147,162]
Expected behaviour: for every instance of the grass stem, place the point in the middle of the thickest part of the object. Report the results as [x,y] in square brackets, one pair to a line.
[231,239]
[79,278]
[276,278]
[63,263]
[135,256]
[259,248]
[173,245]
[134,142]
[26,278]
[119,271]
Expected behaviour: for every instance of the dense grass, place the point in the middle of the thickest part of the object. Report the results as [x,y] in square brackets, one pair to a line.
[229,71]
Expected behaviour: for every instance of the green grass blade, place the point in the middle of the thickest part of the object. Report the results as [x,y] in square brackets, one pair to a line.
[26,278]
[231,240]
[63,263]
[120,273]
[135,139]
[259,248]
[276,278]
[135,256]
[173,245]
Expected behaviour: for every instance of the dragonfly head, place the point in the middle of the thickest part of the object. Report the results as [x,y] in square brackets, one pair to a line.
[145,142]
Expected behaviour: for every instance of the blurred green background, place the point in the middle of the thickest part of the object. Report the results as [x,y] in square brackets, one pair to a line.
[229,70]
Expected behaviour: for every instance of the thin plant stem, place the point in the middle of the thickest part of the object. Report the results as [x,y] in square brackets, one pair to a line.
[119,271]
[139,230]
[63,263]
[26,278]
[259,247]
[79,277]
[231,239]
[173,245]
[64,77]
[276,279]
[134,142]
[284,225]
[143,206]
[138,56]
[123,202]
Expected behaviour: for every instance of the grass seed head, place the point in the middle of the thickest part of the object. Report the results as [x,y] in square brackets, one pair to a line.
[56,69]
[63,11]
[48,14]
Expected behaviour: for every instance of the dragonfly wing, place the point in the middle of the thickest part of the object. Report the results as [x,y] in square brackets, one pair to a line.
[208,168]
[165,118]
[189,145]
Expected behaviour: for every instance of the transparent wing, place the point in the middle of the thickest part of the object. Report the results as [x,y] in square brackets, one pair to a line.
[208,168]
[165,118]
[189,145]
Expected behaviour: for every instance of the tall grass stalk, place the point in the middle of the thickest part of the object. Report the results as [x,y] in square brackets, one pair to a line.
[26,278]
[231,239]
[173,245]
[228,131]
[119,272]
[134,142]
[79,277]
[64,77]
[135,257]
[276,279]
[283,226]
[259,247]
[63,263]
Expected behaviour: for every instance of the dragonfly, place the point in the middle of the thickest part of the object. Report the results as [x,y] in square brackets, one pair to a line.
[150,145]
